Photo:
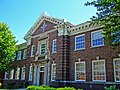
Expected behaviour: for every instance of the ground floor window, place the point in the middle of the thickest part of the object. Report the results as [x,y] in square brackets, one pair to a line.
[98,70]
[30,73]
[6,75]
[53,74]
[17,73]
[117,69]
[11,74]
[23,73]
[80,74]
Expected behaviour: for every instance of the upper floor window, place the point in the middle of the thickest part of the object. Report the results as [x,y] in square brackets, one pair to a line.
[54,46]
[11,74]
[80,42]
[117,69]
[97,38]
[98,70]
[23,73]
[30,72]
[53,73]
[42,48]
[19,55]
[32,50]
[25,54]
[80,74]
[6,75]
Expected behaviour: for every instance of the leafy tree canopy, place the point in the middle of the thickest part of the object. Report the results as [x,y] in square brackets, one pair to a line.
[108,16]
[7,47]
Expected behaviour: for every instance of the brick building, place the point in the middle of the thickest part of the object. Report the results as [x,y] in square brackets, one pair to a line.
[58,53]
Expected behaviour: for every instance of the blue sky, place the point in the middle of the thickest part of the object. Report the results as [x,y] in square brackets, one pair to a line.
[20,15]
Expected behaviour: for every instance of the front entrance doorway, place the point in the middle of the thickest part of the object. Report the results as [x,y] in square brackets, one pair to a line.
[41,79]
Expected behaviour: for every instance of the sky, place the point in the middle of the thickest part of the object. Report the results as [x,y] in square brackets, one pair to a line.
[20,15]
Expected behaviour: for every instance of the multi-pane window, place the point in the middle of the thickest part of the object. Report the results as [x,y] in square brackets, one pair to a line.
[98,70]
[32,50]
[53,73]
[17,73]
[80,74]
[11,74]
[19,55]
[54,46]
[80,42]
[117,69]
[6,75]
[25,54]
[97,38]
[23,73]
[42,48]
[30,73]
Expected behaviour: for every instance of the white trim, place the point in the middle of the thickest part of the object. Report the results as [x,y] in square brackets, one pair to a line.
[84,71]
[80,42]
[32,50]
[93,72]
[53,42]
[11,74]
[19,54]
[17,73]
[92,38]
[114,68]
[52,71]
[43,67]
[24,52]
[40,48]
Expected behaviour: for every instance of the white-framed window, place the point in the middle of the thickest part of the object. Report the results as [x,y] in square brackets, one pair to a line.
[53,73]
[23,73]
[116,69]
[6,75]
[32,50]
[98,70]
[80,42]
[25,54]
[97,38]
[30,73]
[54,46]
[19,55]
[80,74]
[11,73]
[17,73]
[42,48]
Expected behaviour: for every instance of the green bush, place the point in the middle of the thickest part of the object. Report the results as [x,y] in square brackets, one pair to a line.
[111,88]
[66,88]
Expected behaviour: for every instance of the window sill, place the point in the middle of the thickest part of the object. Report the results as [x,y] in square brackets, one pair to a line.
[54,52]
[79,49]
[97,46]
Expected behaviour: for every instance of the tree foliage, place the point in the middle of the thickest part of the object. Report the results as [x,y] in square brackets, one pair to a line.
[108,16]
[7,47]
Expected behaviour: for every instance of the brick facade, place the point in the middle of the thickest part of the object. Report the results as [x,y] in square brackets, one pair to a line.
[66,55]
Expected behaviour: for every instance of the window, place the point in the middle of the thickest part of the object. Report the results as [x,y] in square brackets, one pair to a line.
[19,55]
[42,48]
[53,74]
[23,73]
[30,73]
[98,70]
[6,75]
[17,73]
[80,74]
[80,42]
[32,50]
[54,46]
[97,38]
[117,69]
[25,54]
[11,74]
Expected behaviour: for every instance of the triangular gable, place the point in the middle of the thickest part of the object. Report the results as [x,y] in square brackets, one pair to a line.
[38,27]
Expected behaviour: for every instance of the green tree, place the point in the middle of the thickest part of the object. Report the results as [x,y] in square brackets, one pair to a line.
[7,48]
[108,16]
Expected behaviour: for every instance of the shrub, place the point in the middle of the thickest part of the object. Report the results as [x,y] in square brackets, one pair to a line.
[66,88]
[111,88]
